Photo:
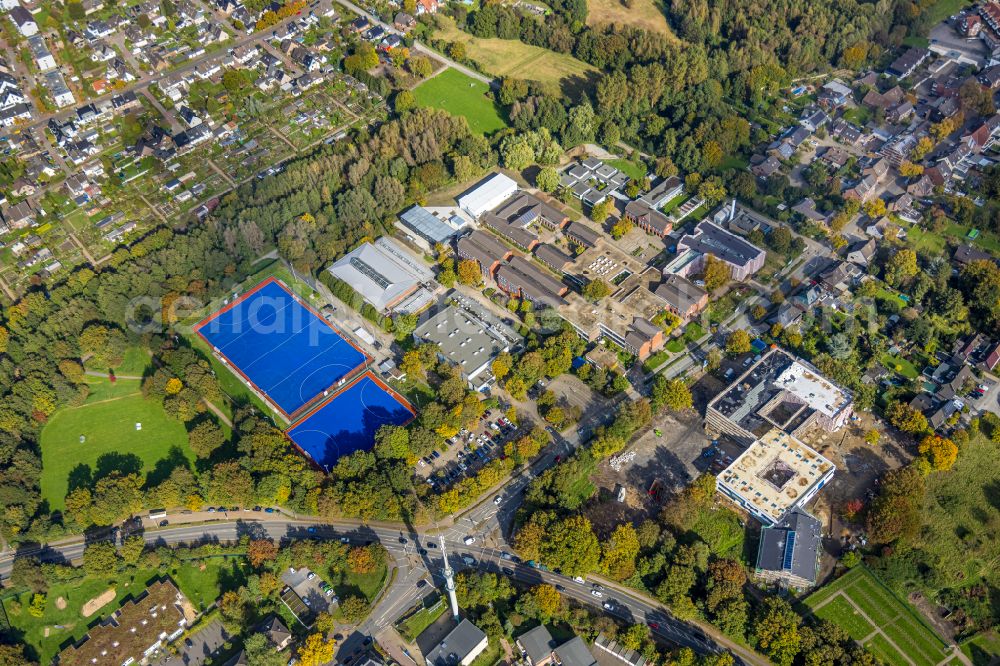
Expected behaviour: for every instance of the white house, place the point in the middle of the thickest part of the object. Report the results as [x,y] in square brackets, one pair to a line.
[40,52]
[23,21]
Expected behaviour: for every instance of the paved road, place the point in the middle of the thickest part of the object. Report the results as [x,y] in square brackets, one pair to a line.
[388,27]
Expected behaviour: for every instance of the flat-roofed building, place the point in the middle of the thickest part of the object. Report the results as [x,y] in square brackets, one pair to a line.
[386,276]
[779,391]
[460,647]
[788,552]
[743,257]
[776,474]
[430,228]
[484,249]
[487,194]
[471,338]
[663,192]
[133,632]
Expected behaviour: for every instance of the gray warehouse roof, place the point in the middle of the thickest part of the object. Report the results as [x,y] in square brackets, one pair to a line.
[383,273]
[427,225]
[466,340]
[792,546]
[457,645]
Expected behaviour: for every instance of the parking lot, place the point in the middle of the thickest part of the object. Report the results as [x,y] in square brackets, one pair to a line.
[308,591]
[468,451]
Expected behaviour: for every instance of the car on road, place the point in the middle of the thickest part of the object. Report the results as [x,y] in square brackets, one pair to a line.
[164,523]
[469,540]
[505,556]
[256,508]
[597,593]
[421,551]
[579,579]
[507,571]
[311,529]
[653,625]
[498,500]
[609,605]
[431,544]
[270,510]
[421,583]
[344,539]
[469,560]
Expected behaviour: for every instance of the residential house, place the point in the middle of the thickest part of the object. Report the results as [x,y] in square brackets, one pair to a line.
[835,157]
[965,254]
[23,21]
[903,66]
[60,92]
[874,166]
[862,190]
[404,22]
[763,167]
[812,119]
[969,25]
[990,77]
[834,94]
[807,209]
[884,101]
[44,60]
[861,252]
[984,135]
[427,6]
[18,216]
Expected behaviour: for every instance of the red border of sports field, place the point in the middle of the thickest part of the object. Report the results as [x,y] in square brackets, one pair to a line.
[367,373]
[229,363]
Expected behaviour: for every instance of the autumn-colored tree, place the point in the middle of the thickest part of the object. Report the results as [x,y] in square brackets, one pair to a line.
[469,273]
[173,386]
[362,560]
[717,273]
[600,211]
[909,169]
[738,342]
[875,208]
[939,451]
[261,551]
[316,650]
[873,436]
[620,228]
[908,419]
[924,146]
[547,600]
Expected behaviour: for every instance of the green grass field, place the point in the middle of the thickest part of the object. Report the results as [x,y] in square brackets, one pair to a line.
[415,624]
[862,605]
[512,57]
[107,420]
[461,95]
[983,649]
[900,365]
[134,363]
[201,585]
[630,169]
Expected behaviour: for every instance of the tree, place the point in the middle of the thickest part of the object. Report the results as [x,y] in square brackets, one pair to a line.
[100,558]
[939,451]
[516,152]
[354,609]
[875,208]
[105,345]
[469,273]
[906,418]
[908,169]
[205,438]
[716,273]
[13,655]
[894,514]
[316,650]
[600,211]
[620,552]
[776,629]
[547,179]
[404,101]
[362,559]
[456,51]
[27,572]
[671,393]
[595,290]
[261,551]
[872,437]
[132,549]
[620,228]
[547,601]
[420,66]
[258,651]
[738,343]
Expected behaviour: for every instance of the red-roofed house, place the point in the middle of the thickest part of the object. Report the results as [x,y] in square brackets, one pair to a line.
[983,136]
[427,6]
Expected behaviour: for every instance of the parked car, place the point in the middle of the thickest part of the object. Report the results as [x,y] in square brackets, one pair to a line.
[469,540]
[597,593]
[498,500]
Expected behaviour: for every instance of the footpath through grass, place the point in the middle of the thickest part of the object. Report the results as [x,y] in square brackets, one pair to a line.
[868,611]
[461,95]
[107,422]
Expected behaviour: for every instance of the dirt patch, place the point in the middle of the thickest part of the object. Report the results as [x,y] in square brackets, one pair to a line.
[933,614]
[98,602]
[190,612]
[61,603]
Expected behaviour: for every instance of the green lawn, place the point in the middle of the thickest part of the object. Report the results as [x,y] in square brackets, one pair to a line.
[415,624]
[461,95]
[107,420]
[900,365]
[676,345]
[629,168]
[134,363]
[858,115]
[942,9]
[863,594]
[202,586]
[926,239]
[982,649]
[674,203]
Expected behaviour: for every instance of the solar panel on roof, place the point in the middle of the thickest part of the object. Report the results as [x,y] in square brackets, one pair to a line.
[789,550]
